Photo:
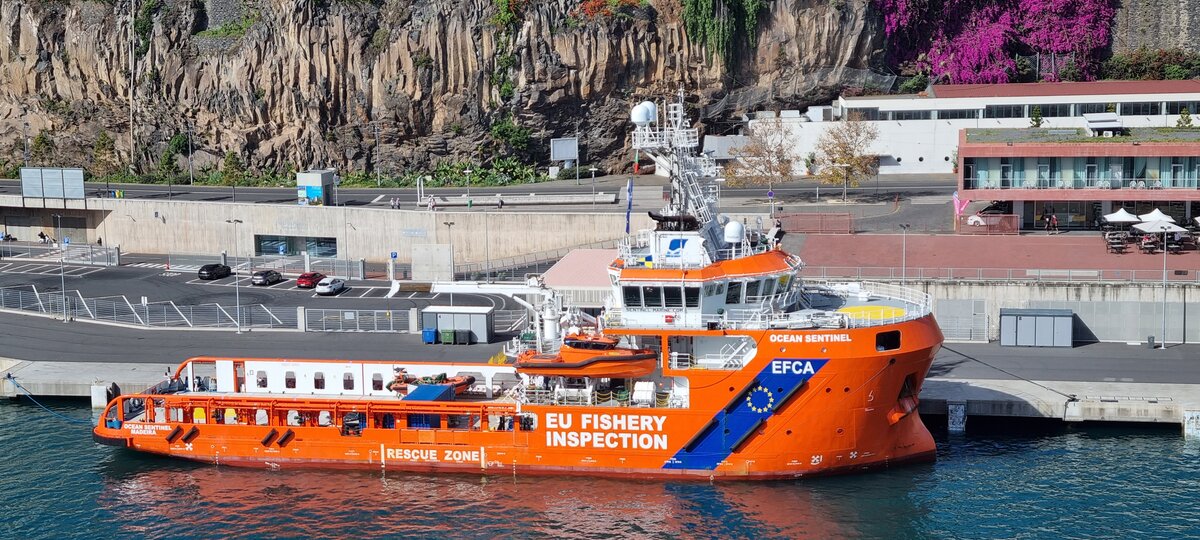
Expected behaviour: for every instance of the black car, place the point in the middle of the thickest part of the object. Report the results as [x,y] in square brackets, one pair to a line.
[265,277]
[213,271]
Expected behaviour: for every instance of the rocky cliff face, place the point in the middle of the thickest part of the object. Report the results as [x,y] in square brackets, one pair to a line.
[1157,24]
[308,81]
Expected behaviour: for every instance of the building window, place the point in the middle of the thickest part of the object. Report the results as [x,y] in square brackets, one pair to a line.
[1004,111]
[318,381]
[865,113]
[377,382]
[1055,110]
[262,379]
[1141,108]
[957,114]
[1090,108]
[348,381]
[909,115]
[1174,107]
[289,379]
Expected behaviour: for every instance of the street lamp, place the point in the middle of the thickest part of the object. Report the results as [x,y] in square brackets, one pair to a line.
[904,251]
[718,182]
[237,293]
[450,236]
[593,170]
[1163,345]
[191,171]
[62,253]
[25,136]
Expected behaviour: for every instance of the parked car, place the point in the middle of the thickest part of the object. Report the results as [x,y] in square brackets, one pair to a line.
[213,271]
[309,280]
[330,286]
[265,277]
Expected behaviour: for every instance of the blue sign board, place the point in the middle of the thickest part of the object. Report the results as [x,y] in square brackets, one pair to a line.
[393,254]
[770,194]
[283,249]
[67,240]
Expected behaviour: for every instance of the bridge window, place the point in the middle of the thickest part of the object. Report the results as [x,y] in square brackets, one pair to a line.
[289,379]
[768,287]
[691,296]
[318,381]
[348,381]
[887,341]
[652,296]
[734,296]
[673,296]
[632,296]
[261,380]
[377,382]
[751,290]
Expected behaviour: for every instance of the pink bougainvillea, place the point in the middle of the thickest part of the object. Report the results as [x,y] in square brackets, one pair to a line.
[975,41]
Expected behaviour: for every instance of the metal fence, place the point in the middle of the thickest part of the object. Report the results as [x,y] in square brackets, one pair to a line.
[284,264]
[356,320]
[530,263]
[989,224]
[74,254]
[509,320]
[119,310]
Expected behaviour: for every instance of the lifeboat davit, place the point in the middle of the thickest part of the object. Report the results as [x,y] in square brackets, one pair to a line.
[589,356]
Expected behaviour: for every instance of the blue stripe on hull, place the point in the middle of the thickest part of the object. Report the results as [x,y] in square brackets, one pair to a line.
[732,425]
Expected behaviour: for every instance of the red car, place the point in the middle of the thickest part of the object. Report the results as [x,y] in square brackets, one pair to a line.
[309,280]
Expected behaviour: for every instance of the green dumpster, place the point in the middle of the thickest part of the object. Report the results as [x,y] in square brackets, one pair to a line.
[447,337]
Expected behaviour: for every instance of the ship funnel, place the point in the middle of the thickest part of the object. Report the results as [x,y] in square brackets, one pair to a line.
[734,232]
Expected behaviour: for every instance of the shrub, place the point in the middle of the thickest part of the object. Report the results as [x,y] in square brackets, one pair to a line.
[508,132]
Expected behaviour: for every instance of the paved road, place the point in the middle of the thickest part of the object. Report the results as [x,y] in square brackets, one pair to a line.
[36,338]
[39,338]
[795,191]
[184,288]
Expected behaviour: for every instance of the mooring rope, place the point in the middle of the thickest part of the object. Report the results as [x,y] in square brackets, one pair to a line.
[29,395]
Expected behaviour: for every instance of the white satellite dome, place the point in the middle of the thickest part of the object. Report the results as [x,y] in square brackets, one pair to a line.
[640,115]
[734,232]
[651,108]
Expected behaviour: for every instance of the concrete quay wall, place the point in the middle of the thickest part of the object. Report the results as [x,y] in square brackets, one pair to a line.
[1111,311]
[158,226]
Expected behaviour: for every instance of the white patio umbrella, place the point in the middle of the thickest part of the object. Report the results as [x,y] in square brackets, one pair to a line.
[1156,215]
[1121,216]
[1159,227]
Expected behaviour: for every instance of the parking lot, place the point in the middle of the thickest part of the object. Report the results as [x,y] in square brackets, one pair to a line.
[183,287]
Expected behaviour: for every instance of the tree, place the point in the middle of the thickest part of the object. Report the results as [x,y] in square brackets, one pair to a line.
[232,171]
[845,150]
[765,156]
[1035,116]
[1185,119]
[42,150]
[104,156]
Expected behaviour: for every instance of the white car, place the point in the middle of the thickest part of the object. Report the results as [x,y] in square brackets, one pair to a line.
[330,286]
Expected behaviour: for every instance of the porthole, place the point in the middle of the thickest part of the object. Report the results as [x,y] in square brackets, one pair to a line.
[922,158]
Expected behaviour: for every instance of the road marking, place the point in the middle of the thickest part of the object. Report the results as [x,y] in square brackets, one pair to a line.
[930,199]
[377,199]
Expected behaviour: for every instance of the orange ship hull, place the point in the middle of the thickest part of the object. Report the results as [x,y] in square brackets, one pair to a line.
[809,402]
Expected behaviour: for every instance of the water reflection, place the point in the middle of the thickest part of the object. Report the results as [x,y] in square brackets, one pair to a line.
[151,496]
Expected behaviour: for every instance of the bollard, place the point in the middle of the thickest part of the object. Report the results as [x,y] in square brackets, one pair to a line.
[956,416]
[301,321]
[99,394]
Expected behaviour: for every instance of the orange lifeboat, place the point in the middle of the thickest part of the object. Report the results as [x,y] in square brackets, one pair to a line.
[589,356]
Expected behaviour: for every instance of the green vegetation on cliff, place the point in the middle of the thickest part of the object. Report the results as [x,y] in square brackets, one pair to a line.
[722,25]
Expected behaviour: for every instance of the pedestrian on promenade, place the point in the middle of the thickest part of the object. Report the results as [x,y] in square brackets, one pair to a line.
[1054,223]
[499,203]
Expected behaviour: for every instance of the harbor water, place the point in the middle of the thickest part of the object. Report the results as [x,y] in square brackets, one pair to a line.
[1089,481]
